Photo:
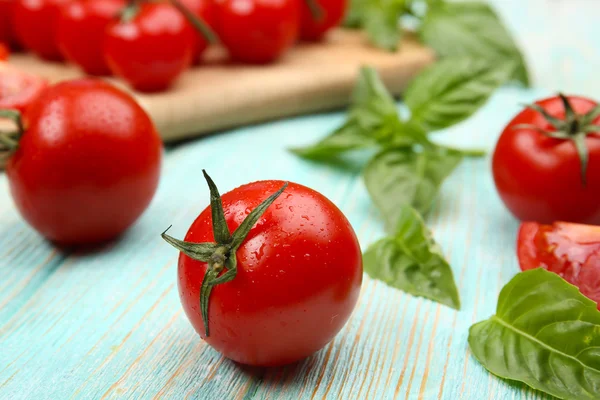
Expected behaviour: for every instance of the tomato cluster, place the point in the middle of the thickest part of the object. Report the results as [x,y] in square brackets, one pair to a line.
[150,44]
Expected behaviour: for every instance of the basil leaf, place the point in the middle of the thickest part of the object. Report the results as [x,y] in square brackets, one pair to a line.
[545,333]
[397,177]
[380,21]
[372,119]
[451,90]
[350,136]
[412,262]
[371,102]
[472,29]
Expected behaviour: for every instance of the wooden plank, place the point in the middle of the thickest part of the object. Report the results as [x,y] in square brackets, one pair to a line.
[221,95]
[109,324]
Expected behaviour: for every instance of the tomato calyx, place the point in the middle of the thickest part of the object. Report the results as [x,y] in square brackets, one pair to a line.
[574,127]
[220,256]
[9,140]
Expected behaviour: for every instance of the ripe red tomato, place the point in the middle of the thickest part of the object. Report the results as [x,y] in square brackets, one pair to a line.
[321,17]
[36,22]
[299,272]
[87,165]
[539,172]
[4,52]
[80,34]
[152,49]
[18,89]
[7,33]
[205,11]
[258,31]
[570,250]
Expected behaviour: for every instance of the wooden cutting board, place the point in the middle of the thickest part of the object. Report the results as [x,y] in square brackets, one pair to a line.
[221,95]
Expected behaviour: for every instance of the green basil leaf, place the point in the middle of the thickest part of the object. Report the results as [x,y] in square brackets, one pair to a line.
[472,29]
[545,333]
[372,119]
[381,22]
[411,261]
[371,102]
[350,136]
[397,177]
[451,90]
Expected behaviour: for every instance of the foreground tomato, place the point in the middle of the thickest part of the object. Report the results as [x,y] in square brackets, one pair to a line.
[283,284]
[258,31]
[87,165]
[36,22]
[80,33]
[547,167]
[319,16]
[570,250]
[18,89]
[7,33]
[151,49]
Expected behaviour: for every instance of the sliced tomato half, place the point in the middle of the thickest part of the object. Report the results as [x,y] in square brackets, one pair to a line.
[18,89]
[569,250]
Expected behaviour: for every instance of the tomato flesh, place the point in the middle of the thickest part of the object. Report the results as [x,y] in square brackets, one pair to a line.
[299,276]
[538,177]
[18,90]
[570,250]
[87,165]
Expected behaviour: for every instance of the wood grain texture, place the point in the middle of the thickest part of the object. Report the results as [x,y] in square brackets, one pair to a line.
[220,95]
[108,324]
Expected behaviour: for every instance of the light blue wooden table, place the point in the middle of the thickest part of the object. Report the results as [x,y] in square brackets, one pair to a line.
[109,324]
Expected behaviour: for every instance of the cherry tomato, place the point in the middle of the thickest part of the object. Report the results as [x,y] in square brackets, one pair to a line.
[18,89]
[299,272]
[205,11]
[7,33]
[87,165]
[4,52]
[36,22]
[569,250]
[539,172]
[80,34]
[258,31]
[319,18]
[151,50]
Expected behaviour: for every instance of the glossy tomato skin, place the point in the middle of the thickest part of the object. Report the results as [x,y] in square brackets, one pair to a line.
[206,12]
[539,178]
[258,31]
[153,49]
[18,89]
[80,34]
[36,23]
[7,32]
[88,164]
[569,250]
[313,29]
[299,277]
